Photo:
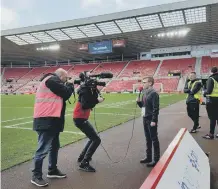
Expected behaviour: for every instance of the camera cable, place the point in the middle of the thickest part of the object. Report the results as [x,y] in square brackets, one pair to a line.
[133,127]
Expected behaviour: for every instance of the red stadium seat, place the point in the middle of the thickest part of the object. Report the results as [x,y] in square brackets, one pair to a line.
[185,66]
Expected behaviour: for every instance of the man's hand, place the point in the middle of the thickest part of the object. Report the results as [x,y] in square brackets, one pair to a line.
[153,124]
[100,99]
[137,99]
[70,81]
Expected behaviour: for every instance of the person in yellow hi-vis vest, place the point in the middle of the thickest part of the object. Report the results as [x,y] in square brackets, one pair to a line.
[211,94]
[193,89]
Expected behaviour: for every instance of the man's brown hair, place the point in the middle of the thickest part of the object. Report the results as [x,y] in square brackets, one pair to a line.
[150,80]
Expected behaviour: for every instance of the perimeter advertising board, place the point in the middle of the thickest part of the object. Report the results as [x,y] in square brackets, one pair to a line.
[184,165]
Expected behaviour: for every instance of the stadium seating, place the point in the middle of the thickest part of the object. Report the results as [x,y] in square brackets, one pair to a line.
[169,84]
[15,73]
[27,79]
[115,68]
[120,86]
[185,66]
[140,68]
[33,73]
[51,69]
[207,63]
[78,68]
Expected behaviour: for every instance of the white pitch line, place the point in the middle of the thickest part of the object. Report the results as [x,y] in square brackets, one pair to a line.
[18,124]
[25,128]
[115,114]
[112,105]
[17,107]
[9,120]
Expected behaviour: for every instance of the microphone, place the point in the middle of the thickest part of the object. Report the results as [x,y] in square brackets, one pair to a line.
[140,91]
[103,75]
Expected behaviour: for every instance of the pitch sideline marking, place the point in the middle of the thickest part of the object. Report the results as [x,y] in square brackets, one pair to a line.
[26,128]
[109,105]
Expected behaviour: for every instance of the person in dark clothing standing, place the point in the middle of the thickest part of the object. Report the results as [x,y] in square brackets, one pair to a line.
[88,98]
[193,89]
[211,94]
[49,116]
[150,111]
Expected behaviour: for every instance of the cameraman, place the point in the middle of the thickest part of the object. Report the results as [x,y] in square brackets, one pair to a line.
[49,114]
[88,98]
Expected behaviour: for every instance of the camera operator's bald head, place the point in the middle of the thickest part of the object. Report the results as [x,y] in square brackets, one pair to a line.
[62,74]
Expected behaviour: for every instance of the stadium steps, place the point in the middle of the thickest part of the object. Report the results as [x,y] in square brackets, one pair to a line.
[181,84]
[123,70]
[71,68]
[24,75]
[2,76]
[95,68]
[158,68]
[28,81]
[2,73]
[198,66]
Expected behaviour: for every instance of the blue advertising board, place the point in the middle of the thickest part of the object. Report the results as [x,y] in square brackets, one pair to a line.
[100,47]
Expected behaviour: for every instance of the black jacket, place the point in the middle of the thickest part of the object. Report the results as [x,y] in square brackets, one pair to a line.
[209,88]
[151,104]
[88,97]
[64,91]
[192,92]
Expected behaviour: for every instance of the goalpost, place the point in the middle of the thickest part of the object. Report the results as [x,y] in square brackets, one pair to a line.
[157,86]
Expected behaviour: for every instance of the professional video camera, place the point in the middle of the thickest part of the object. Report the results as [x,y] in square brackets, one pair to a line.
[91,80]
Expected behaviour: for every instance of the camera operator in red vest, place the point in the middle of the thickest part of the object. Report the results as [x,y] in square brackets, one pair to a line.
[88,98]
[49,113]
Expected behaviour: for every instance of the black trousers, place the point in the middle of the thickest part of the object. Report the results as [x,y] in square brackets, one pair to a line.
[212,111]
[94,140]
[193,113]
[151,135]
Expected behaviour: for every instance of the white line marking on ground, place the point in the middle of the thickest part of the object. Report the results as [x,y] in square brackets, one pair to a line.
[16,119]
[25,128]
[111,105]
[18,124]
[16,107]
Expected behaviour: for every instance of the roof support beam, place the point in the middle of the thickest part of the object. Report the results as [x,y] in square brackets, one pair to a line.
[118,26]
[65,33]
[50,35]
[36,38]
[161,20]
[99,29]
[183,12]
[138,23]
[82,31]
[21,39]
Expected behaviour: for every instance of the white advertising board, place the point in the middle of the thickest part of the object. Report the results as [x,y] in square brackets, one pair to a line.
[184,165]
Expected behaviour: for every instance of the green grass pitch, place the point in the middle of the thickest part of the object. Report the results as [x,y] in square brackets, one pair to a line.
[19,142]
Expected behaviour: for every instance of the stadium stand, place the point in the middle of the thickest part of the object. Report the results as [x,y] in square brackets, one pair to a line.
[113,67]
[141,67]
[78,68]
[15,73]
[185,66]
[206,64]
[26,79]
[120,86]
[169,84]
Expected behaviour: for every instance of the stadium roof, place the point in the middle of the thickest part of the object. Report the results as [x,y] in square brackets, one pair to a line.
[141,28]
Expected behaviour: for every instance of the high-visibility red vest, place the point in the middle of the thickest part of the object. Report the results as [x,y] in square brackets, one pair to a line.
[81,113]
[47,104]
